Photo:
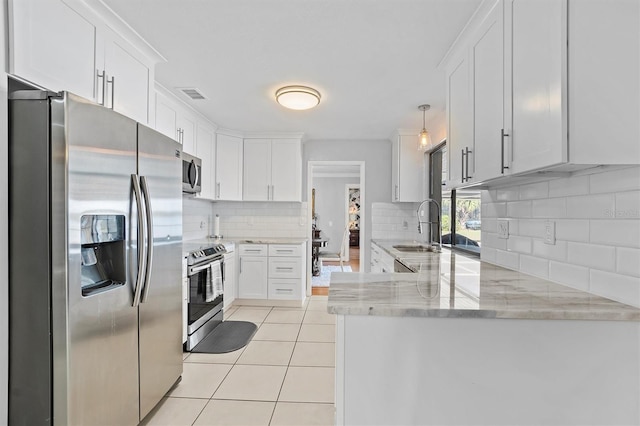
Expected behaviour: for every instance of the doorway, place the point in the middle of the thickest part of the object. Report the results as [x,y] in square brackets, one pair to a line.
[330,185]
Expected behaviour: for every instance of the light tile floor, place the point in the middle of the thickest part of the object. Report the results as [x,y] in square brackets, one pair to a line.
[284,376]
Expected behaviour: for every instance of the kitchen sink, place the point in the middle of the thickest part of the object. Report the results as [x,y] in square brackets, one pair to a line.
[417,248]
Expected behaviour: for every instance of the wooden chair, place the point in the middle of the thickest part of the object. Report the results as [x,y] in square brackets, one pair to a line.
[336,257]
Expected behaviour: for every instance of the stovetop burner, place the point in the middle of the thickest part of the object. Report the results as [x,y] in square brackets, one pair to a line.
[203,254]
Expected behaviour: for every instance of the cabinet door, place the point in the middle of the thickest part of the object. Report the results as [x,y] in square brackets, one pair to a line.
[537,48]
[256,180]
[458,119]
[166,116]
[187,134]
[408,168]
[230,279]
[205,150]
[488,95]
[228,167]
[52,46]
[286,170]
[252,280]
[127,80]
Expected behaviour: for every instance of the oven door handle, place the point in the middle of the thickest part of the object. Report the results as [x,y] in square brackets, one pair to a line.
[194,269]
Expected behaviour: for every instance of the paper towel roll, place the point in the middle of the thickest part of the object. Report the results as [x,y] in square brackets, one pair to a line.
[216,226]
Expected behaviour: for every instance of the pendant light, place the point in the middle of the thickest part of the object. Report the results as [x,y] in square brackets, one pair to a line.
[298,97]
[424,138]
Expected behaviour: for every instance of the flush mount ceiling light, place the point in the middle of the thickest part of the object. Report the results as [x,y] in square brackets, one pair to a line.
[424,139]
[297,97]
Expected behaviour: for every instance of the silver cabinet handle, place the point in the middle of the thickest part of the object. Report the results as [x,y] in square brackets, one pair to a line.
[140,243]
[112,82]
[462,165]
[467,164]
[284,251]
[284,268]
[147,202]
[502,135]
[240,265]
[100,75]
[286,290]
[268,192]
[273,190]
[396,194]
[218,190]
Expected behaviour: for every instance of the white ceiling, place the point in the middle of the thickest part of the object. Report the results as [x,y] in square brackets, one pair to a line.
[374,61]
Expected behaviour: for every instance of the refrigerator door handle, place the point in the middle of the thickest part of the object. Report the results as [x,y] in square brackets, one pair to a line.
[149,262]
[140,243]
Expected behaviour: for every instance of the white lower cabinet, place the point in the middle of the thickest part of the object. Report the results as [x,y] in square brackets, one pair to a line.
[230,279]
[381,261]
[252,279]
[273,271]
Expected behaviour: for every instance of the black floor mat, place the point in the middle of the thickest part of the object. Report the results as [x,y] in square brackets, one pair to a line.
[227,337]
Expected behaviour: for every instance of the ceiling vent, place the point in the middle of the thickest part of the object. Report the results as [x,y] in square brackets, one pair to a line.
[192,92]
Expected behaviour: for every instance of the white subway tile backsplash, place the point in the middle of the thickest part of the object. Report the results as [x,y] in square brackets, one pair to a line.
[572,275]
[628,261]
[518,209]
[575,185]
[591,206]
[494,210]
[488,196]
[507,194]
[617,180]
[549,208]
[627,205]
[571,230]
[593,256]
[534,266]
[534,191]
[558,251]
[624,233]
[618,287]
[597,222]
[531,228]
[519,244]
[507,259]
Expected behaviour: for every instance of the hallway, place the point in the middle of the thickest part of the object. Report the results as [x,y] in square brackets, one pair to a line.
[354,263]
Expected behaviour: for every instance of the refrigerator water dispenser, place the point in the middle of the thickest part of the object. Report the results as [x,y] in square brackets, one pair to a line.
[103,253]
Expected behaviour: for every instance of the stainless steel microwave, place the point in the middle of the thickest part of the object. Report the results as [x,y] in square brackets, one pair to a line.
[191,173]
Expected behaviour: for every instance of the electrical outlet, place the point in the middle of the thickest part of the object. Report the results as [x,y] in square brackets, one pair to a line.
[550,232]
[405,224]
[503,228]
[202,224]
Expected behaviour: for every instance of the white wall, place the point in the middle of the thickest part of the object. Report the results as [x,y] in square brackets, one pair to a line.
[377,157]
[4,221]
[330,208]
[597,219]
[197,219]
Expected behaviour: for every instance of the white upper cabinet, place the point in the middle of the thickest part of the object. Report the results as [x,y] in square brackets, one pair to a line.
[176,120]
[57,60]
[83,55]
[407,168]
[205,150]
[459,130]
[126,79]
[272,170]
[487,64]
[228,167]
[537,53]
[554,86]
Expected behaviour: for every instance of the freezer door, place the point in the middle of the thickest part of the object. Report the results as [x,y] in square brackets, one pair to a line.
[101,364]
[160,310]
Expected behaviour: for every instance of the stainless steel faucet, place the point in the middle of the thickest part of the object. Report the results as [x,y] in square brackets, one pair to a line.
[430,222]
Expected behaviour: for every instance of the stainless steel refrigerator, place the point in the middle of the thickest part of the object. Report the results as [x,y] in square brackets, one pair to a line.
[95,240]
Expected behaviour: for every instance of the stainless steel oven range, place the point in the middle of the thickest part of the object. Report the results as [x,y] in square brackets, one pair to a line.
[205,272]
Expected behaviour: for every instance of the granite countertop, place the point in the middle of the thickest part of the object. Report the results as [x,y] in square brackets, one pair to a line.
[453,285]
[230,243]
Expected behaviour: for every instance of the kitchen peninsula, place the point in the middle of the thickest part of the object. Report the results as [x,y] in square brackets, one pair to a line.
[466,342]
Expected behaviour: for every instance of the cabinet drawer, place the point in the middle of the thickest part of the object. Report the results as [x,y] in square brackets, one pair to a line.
[285,267]
[253,249]
[285,250]
[285,289]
